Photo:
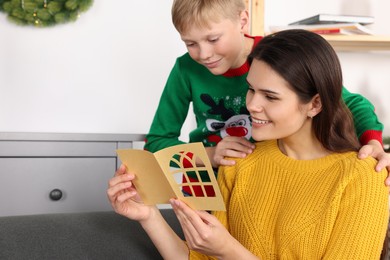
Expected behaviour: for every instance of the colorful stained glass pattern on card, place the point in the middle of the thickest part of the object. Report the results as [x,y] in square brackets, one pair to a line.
[196,178]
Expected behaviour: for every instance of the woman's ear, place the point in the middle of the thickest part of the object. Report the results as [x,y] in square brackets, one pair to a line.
[315,106]
[244,21]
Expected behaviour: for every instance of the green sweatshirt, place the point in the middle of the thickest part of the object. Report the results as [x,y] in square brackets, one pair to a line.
[219,107]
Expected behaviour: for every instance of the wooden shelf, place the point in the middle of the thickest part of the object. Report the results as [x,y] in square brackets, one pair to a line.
[339,42]
[359,42]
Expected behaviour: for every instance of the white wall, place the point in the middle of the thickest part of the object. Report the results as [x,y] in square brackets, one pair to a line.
[105,72]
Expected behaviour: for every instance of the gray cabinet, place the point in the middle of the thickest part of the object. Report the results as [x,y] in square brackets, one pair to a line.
[58,173]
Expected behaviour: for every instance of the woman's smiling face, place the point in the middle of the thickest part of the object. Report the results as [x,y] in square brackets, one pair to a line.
[274,107]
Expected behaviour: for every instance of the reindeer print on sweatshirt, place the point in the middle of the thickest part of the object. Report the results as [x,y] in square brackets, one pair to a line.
[231,124]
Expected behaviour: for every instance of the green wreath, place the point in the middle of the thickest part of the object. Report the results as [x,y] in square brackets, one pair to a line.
[43,13]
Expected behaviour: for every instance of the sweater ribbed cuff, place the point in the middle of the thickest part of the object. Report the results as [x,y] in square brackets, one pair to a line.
[371,135]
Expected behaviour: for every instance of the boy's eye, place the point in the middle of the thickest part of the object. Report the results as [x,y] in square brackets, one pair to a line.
[213,40]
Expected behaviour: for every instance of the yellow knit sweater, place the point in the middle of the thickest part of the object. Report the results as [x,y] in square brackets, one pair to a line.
[334,207]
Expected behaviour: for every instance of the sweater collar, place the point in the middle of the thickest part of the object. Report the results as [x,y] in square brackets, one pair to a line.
[275,155]
[244,68]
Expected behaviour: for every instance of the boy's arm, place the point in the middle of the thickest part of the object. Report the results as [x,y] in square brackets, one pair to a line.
[368,129]
[366,122]
[170,114]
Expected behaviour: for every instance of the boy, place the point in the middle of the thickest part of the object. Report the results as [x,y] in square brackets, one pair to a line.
[212,75]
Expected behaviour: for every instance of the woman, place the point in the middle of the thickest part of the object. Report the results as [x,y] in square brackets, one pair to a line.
[303,193]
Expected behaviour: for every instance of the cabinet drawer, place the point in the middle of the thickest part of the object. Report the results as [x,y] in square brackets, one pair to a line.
[27,183]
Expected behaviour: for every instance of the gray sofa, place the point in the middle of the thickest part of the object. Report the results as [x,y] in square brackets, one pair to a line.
[73,236]
[79,236]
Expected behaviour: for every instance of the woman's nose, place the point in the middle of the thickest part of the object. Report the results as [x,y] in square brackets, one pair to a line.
[253,103]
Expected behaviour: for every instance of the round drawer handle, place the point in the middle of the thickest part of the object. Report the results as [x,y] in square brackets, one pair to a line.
[55,194]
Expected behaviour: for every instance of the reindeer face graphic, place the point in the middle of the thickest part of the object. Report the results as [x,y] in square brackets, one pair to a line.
[238,125]
[231,125]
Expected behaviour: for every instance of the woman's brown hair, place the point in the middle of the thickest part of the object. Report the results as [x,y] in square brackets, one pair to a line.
[311,66]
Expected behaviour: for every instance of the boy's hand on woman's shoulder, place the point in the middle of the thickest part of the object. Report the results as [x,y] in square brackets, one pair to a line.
[230,146]
[375,149]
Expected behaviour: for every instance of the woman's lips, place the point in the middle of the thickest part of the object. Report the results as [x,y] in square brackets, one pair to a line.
[259,121]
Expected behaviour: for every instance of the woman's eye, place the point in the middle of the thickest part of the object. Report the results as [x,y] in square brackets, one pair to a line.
[271,97]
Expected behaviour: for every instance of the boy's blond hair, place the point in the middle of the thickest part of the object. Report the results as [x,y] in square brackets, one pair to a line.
[186,13]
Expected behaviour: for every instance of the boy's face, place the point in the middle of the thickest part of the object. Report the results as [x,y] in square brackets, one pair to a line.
[275,108]
[220,46]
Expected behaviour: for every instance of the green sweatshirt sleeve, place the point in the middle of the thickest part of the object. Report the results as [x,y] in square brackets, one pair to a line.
[171,112]
[366,122]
